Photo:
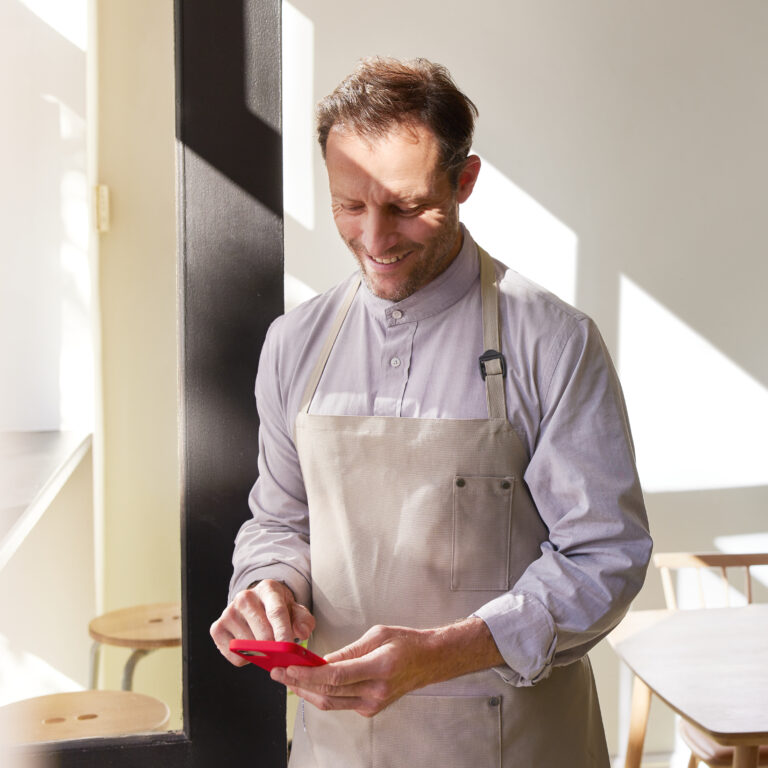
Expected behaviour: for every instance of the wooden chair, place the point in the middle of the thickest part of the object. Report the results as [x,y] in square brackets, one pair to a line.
[703,749]
[143,628]
[667,562]
[80,715]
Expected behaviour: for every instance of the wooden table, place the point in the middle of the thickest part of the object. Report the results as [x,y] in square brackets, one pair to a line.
[710,666]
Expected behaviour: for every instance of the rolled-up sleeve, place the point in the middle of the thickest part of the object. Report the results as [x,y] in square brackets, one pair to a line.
[274,542]
[583,479]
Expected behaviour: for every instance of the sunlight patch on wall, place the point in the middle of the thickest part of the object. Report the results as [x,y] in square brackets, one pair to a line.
[295,292]
[699,421]
[517,230]
[67,17]
[76,373]
[298,116]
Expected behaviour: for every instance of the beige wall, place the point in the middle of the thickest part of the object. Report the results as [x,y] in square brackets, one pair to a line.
[136,442]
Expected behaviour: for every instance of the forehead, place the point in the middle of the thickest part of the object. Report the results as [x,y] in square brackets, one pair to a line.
[404,162]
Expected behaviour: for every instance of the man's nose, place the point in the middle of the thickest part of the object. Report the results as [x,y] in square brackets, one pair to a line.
[378,234]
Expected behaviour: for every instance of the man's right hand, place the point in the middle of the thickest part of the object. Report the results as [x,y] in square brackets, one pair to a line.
[267,611]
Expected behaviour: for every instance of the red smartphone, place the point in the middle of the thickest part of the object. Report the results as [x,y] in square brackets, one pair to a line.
[269,653]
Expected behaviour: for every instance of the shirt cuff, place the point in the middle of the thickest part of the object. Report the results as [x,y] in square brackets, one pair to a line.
[302,591]
[525,635]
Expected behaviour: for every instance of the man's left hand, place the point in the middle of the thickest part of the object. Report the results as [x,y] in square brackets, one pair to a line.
[388,662]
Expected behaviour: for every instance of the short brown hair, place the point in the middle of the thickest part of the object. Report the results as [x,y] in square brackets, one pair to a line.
[382,92]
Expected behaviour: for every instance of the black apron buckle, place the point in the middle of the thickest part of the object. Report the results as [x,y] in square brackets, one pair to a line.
[486,357]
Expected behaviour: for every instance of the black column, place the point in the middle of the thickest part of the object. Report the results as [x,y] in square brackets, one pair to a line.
[231,287]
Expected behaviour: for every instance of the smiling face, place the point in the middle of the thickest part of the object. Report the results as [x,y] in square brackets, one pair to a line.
[395,207]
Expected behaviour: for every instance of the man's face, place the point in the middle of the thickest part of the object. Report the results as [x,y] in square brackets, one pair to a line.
[394,207]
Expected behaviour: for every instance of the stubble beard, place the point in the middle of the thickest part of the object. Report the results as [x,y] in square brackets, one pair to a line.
[432,260]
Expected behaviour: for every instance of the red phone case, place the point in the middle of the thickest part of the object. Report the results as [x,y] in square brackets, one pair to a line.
[268,654]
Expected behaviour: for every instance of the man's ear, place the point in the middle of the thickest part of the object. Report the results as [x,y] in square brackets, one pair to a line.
[467,178]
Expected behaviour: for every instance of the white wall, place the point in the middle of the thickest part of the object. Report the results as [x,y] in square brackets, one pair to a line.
[46,369]
[630,138]
[45,352]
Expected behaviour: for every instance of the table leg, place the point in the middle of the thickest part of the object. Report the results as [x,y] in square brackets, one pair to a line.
[745,756]
[638,723]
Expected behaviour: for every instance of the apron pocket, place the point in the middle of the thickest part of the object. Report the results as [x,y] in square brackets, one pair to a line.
[445,731]
[482,517]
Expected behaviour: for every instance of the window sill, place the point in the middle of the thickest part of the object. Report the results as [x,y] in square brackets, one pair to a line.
[34,466]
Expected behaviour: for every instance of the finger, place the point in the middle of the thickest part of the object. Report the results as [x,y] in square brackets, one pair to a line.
[278,614]
[303,622]
[366,691]
[329,702]
[222,634]
[328,678]
[353,653]
[249,610]
[364,645]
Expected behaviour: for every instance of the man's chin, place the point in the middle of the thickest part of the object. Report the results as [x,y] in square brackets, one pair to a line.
[391,290]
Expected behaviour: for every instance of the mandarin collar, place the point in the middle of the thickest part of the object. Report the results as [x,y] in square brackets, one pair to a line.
[436,296]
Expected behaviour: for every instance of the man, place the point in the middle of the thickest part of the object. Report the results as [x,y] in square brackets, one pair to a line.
[447,503]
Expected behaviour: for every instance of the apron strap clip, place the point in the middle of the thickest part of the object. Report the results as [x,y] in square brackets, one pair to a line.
[489,366]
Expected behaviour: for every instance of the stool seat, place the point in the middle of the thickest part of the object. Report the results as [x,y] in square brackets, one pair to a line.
[81,715]
[140,626]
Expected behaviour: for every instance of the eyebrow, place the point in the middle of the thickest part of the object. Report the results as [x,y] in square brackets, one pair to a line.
[412,202]
[415,201]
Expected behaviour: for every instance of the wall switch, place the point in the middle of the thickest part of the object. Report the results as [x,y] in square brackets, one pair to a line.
[101,207]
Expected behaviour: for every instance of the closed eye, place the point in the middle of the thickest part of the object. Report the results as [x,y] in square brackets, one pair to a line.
[412,211]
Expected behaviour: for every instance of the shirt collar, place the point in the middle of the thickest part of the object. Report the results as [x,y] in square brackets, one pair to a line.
[435,297]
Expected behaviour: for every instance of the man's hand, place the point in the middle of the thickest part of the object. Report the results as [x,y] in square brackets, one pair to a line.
[267,611]
[388,662]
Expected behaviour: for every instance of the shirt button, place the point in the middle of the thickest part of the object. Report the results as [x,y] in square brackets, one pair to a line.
[395,362]
[397,314]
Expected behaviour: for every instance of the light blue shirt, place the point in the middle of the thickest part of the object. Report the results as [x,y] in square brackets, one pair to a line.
[419,358]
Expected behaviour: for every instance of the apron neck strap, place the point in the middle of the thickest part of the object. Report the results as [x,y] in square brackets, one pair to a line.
[493,369]
[317,371]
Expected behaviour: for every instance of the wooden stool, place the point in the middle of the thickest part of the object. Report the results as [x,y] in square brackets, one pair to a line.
[80,715]
[143,628]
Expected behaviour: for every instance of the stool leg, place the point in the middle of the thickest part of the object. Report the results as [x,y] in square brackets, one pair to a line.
[93,667]
[130,665]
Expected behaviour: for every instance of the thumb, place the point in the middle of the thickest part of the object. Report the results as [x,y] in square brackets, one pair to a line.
[362,646]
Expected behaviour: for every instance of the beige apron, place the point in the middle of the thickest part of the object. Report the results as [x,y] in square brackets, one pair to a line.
[418,522]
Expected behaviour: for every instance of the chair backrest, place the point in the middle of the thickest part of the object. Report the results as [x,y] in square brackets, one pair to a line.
[666,562]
